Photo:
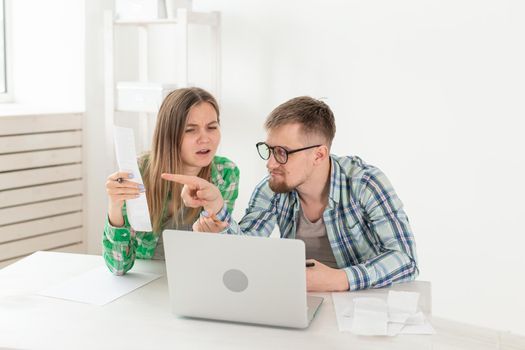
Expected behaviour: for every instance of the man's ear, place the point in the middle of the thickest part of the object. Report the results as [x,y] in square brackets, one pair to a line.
[321,153]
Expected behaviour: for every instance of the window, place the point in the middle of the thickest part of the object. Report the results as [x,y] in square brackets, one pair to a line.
[4,88]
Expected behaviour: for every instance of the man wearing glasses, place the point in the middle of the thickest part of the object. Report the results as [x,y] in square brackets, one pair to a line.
[355,230]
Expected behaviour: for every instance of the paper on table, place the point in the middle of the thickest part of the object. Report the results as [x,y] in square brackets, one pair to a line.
[98,286]
[402,302]
[398,317]
[137,209]
[402,307]
[415,319]
[370,316]
[344,311]
[425,328]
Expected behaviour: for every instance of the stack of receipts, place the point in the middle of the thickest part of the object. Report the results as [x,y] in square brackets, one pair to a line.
[137,209]
[398,314]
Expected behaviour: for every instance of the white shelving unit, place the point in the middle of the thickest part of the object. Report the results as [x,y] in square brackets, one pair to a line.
[183,20]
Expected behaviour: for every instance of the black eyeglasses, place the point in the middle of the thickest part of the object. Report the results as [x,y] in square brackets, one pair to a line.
[279,153]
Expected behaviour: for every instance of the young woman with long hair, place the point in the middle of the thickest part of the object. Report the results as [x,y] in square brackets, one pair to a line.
[186,137]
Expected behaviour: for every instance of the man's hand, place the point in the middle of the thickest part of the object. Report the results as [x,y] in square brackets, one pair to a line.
[198,192]
[210,224]
[321,278]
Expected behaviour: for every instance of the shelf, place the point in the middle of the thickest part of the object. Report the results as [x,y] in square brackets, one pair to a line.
[141,99]
[201,18]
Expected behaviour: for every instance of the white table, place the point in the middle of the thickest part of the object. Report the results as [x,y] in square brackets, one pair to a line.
[142,319]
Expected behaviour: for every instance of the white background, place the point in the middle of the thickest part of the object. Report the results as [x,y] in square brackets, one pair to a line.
[429,91]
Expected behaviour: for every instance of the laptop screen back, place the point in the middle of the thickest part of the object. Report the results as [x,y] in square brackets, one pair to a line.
[237,278]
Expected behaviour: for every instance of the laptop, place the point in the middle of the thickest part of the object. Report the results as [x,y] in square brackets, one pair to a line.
[245,279]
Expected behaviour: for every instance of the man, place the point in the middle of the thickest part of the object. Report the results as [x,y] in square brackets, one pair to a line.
[347,213]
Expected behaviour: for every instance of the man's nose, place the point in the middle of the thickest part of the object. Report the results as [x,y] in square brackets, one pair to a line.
[271,163]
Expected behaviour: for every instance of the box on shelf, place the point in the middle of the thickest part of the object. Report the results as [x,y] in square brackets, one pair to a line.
[142,96]
[173,5]
[140,9]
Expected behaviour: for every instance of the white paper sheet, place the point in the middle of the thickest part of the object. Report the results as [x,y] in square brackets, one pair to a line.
[370,316]
[425,328]
[344,310]
[398,317]
[398,322]
[137,209]
[98,286]
[402,302]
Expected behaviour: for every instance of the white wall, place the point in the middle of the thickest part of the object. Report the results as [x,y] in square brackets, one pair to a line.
[95,153]
[429,91]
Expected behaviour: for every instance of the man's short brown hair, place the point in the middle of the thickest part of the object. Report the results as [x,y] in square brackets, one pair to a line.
[314,116]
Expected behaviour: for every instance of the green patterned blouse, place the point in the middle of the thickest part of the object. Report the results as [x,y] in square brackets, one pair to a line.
[122,245]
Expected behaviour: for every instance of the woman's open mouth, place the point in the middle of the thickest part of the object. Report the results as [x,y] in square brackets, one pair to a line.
[203,152]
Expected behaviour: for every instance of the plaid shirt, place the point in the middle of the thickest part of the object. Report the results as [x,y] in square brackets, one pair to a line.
[121,245]
[365,223]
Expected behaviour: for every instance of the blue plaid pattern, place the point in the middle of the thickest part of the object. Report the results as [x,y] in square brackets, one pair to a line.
[365,222]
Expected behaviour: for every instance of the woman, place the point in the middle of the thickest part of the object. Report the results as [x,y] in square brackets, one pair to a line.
[185,140]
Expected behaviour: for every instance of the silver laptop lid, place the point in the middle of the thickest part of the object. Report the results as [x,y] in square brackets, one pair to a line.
[237,278]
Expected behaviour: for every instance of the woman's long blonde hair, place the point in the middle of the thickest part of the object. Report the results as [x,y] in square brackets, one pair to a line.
[165,156]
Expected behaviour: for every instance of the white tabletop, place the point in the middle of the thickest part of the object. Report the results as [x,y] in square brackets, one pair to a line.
[142,319]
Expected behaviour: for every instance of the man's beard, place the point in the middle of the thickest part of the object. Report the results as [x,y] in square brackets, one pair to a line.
[280,186]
